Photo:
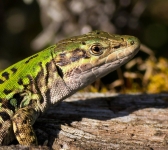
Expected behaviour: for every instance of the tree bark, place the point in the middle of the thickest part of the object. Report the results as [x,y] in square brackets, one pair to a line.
[106,121]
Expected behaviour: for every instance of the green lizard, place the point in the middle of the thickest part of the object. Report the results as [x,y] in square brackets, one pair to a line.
[29,87]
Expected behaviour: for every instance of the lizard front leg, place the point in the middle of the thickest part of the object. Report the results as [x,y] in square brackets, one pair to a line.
[22,122]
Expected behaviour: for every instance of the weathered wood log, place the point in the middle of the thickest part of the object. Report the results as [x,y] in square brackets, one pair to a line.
[105,121]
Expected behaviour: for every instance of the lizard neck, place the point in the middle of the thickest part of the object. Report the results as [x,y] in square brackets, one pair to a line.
[56,85]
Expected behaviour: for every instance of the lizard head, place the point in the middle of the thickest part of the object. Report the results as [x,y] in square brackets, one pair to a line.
[83,59]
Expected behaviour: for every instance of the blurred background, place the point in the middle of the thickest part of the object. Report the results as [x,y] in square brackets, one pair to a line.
[28,26]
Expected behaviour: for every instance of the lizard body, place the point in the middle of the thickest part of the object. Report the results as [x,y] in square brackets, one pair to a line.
[30,86]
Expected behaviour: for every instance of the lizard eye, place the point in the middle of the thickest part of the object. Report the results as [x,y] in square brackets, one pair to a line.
[96,49]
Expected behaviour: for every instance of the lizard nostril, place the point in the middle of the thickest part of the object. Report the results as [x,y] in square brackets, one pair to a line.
[132,42]
[83,43]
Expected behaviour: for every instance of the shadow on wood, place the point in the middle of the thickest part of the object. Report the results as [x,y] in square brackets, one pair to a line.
[106,121]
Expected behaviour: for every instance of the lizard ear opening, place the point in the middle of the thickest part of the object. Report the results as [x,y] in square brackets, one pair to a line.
[59,70]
